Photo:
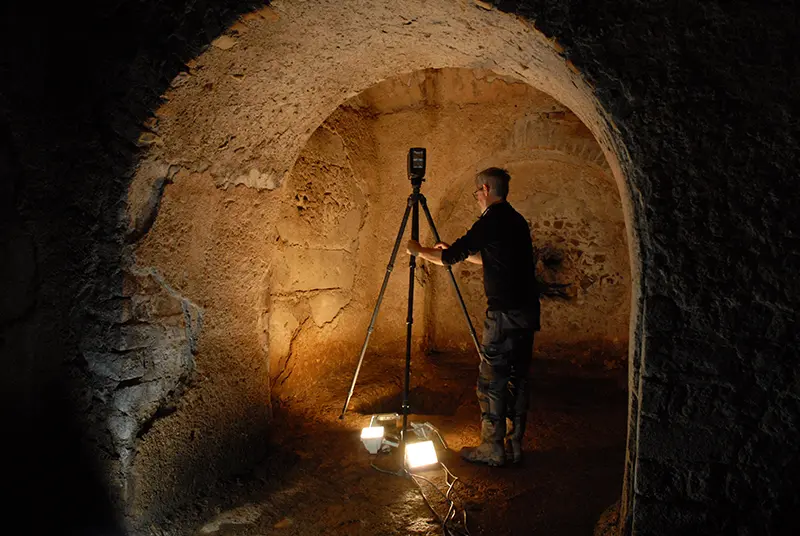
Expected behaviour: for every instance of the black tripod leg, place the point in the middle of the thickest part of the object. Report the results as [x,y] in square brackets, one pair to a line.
[425,209]
[412,265]
[389,268]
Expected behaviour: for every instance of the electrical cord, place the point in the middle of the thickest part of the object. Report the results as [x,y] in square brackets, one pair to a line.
[386,471]
[451,486]
[452,508]
[450,482]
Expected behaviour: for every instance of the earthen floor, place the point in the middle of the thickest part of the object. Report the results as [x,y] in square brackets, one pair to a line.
[317,477]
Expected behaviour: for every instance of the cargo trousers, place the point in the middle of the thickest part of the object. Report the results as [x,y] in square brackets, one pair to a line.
[503,384]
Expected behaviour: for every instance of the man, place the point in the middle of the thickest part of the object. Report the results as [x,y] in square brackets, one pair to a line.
[500,240]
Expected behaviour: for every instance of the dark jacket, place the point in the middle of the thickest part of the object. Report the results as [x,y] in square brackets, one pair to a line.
[503,238]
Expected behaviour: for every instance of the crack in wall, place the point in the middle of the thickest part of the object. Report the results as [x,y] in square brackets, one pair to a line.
[300,245]
[281,378]
[304,292]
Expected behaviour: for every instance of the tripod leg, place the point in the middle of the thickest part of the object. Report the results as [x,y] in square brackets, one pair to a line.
[412,265]
[425,209]
[371,327]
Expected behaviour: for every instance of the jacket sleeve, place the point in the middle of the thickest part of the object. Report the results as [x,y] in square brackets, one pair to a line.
[469,244]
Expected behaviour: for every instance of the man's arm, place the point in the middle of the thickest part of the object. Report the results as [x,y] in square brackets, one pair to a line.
[433,255]
[474,258]
[462,249]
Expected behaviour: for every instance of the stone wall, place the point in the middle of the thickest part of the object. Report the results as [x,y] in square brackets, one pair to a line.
[696,123]
[321,249]
[703,112]
[139,351]
[76,84]
[347,193]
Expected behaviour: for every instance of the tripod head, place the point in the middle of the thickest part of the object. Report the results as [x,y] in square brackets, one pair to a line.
[416,166]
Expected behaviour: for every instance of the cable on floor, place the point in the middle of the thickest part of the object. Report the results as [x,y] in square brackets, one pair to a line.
[452,510]
[450,527]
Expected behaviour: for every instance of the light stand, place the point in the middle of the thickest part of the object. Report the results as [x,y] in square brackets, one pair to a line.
[416,172]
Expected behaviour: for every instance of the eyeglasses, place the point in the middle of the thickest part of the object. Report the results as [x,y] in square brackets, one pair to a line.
[475,193]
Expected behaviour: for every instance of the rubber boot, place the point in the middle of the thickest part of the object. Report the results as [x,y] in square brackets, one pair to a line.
[513,440]
[490,451]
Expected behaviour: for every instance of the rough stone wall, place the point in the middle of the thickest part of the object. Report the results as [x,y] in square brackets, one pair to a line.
[139,351]
[76,84]
[214,247]
[702,108]
[323,248]
[465,119]
[318,230]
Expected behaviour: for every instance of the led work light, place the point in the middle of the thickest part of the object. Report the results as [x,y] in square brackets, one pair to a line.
[372,437]
[381,432]
[420,454]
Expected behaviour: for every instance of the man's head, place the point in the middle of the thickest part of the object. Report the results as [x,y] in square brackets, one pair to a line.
[491,186]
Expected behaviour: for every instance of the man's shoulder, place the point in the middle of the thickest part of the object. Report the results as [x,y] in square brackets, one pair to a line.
[499,208]
[509,212]
[501,216]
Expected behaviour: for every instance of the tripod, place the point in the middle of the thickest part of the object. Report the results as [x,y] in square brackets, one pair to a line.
[412,207]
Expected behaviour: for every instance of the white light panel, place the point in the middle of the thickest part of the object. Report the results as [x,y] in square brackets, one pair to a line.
[420,454]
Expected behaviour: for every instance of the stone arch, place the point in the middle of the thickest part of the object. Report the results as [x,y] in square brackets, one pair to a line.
[301,72]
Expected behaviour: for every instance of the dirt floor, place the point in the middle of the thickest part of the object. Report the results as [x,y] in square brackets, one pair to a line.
[317,477]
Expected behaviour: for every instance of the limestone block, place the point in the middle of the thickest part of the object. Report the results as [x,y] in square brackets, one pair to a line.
[282,326]
[142,400]
[139,350]
[349,226]
[117,366]
[310,269]
[326,305]
[338,234]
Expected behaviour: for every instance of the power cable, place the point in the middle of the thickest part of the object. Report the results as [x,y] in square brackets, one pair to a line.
[450,482]
[452,509]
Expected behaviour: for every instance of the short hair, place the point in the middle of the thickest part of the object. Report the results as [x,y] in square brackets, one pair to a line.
[496,179]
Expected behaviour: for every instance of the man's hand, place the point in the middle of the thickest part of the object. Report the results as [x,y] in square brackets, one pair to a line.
[433,255]
[413,247]
[442,245]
